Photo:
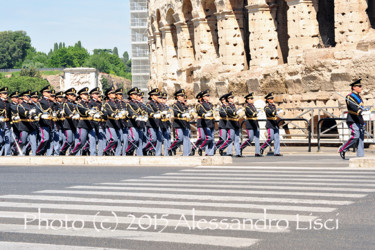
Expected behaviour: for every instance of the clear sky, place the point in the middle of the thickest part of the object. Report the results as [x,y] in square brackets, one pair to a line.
[96,23]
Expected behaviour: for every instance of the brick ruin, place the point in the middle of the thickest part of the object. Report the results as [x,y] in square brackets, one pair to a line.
[304,50]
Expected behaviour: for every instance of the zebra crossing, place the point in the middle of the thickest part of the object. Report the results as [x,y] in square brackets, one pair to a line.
[206,207]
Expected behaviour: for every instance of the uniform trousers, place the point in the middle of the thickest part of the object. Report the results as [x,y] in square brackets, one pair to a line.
[251,135]
[356,139]
[273,135]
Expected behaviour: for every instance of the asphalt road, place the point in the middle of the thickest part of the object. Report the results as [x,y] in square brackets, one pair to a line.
[298,191]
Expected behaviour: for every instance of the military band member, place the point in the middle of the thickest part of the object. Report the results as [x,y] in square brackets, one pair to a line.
[252,125]
[181,124]
[233,128]
[70,121]
[5,119]
[112,125]
[123,122]
[27,126]
[97,122]
[222,122]
[46,124]
[355,121]
[272,125]
[165,123]
[154,123]
[84,127]
[137,122]
[206,123]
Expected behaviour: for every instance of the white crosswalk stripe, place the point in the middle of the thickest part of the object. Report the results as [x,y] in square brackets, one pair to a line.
[191,201]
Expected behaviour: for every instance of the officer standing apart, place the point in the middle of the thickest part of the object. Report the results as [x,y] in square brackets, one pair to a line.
[355,121]
[272,125]
[252,125]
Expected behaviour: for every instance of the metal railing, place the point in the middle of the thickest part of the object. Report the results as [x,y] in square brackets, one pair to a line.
[41,69]
[328,129]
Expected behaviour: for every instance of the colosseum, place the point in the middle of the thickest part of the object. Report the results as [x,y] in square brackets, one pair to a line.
[304,50]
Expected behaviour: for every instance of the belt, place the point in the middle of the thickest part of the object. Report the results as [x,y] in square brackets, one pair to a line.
[233,119]
[205,118]
[252,118]
[352,112]
[272,118]
[4,120]
[27,120]
[85,118]
[182,119]
[111,118]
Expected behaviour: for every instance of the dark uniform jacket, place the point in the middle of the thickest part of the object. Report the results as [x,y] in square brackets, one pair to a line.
[136,109]
[59,119]
[69,110]
[270,110]
[354,103]
[179,121]
[110,111]
[15,123]
[165,122]
[5,113]
[233,119]
[85,119]
[152,109]
[46,106]
[96,122]
[26,122]
[223,117]
[121,105]
[202,121]
[251,117]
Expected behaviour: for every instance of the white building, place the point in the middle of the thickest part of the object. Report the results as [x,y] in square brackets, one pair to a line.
[140,48]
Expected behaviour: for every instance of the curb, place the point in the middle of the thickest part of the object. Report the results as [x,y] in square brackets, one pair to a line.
[120,161]
[362,162]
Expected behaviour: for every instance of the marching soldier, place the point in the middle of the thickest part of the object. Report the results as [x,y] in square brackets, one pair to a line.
[206,123]
[27,126]
[233,128]
[46,124]
[84,127]
[272,125]
[137,122]
[198,143]
[123,132]
[222,122]
[70,122]
[252,125]
[154,123]
[97,121]
[112,125]
[5,118]
[165,123]
[59,123]
[354,103]
[181,125]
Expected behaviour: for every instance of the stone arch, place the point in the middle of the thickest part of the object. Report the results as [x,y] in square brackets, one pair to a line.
[371,12]
[170,20]
[209,10]
[281,22]
[187,12]
[326,20]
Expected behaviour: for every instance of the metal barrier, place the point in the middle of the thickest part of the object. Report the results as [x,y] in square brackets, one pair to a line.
[288,120]
[321,121]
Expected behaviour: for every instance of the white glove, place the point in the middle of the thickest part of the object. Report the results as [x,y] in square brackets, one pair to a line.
[280,112]
[184,115]
[16,118]
[97,116]
[367,112]
[208,114]
[165,112]
[188,116]
[139,118]
[92,112]
[36,118]
[32,111]
[168,116]
[54,114]
[157,116]
[75,117]
[240,110]
[45,116]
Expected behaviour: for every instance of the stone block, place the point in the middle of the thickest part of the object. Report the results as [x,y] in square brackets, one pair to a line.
[9,160]
[73,160]
[362,162]
[47,161]
[112,161]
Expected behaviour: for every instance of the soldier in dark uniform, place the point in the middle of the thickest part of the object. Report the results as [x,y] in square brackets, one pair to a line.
[354,103]
[27,126]
[154,123]
[181,124]
[272,125]
[46,124]
[198,143]
[165,122]
[70,124]
[123,132]
[84,127]
[111,111]
[5,118]
[206,123]
[97,121]
[222,122]
[252,125]
[14,139]
[59,118]
[137,122]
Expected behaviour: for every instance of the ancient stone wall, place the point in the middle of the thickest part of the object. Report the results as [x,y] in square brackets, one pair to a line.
[304,50]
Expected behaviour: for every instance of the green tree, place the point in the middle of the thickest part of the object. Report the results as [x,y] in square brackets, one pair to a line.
[55,47]
[60,45]
[68,57]
[63,45]
[35,59]
[115,51]
[125,56]
[13,48]
[79,44]
[23,83]
[31,72]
